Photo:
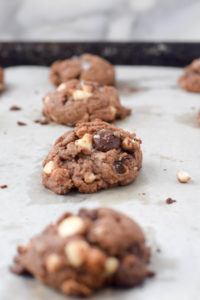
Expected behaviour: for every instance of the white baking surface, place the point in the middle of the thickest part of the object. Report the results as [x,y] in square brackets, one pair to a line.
[164,117]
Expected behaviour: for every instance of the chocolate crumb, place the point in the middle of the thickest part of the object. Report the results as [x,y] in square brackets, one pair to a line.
[3,186]
[170,201]
[42,122]
[21,123]
[158,250]
[14,108]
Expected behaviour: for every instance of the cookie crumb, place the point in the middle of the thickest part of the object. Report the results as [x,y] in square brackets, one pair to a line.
[158,250]
[4,186]
[42,122]
[170,201]
[164,169]
[21,123]
[15,107]
[183,176]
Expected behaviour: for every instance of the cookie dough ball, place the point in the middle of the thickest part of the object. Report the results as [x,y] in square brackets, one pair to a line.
[93,156]
[77,100]
[190,80]
[86,67]
[82,254]
[1,79]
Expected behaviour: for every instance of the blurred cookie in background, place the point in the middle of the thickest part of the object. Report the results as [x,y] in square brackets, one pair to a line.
[78,100]
[86,67]
[190,80]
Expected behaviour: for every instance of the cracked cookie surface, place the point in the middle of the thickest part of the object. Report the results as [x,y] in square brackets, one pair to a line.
[190,80]
[94,155]
[86,67]
[81,254]
[77,100]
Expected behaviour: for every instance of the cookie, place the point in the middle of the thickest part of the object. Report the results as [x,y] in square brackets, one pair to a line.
[86,67]
[77,100]
[1,79]
[190,80]
[95,155]
[82,254]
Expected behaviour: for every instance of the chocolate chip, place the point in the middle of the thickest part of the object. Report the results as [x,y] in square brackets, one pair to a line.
[170,201]
[119,167]
[105,140]
[21,123]
[42,122]
[14,108]
[4,186]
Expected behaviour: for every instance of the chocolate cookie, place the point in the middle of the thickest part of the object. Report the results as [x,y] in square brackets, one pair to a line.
[86,67]
[93,156]
[77,100]
[1,79]
[190,80]
[81,254]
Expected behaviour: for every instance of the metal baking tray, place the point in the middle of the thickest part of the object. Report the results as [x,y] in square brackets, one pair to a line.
[163,116]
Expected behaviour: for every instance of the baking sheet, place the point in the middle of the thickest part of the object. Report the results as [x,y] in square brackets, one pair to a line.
[165,118]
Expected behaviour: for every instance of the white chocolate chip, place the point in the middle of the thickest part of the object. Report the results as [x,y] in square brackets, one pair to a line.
[135,168]
[61,87]
[76,252]
[70,226]
[48,167]
[89,177]
[99,230]
[113,110]
[24,248]
[183,176]
[111,265]
[52,263]
[53,118]
[85,142]
[80,94]
[127,143]
[46,99]
[87,88]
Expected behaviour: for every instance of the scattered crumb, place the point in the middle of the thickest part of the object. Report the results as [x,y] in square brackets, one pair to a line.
[21,123]
[192,107]
[158,250]
[183,176]
[198,117]
[42,122]
[170,201]
[14,107]
[5,132]
[164,169]
[3,186]
[143,193]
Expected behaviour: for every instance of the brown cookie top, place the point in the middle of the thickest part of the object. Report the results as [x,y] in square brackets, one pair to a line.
[1,79]
[86,67]
[81,254]
[78,100]
[95,155]
[190,80]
